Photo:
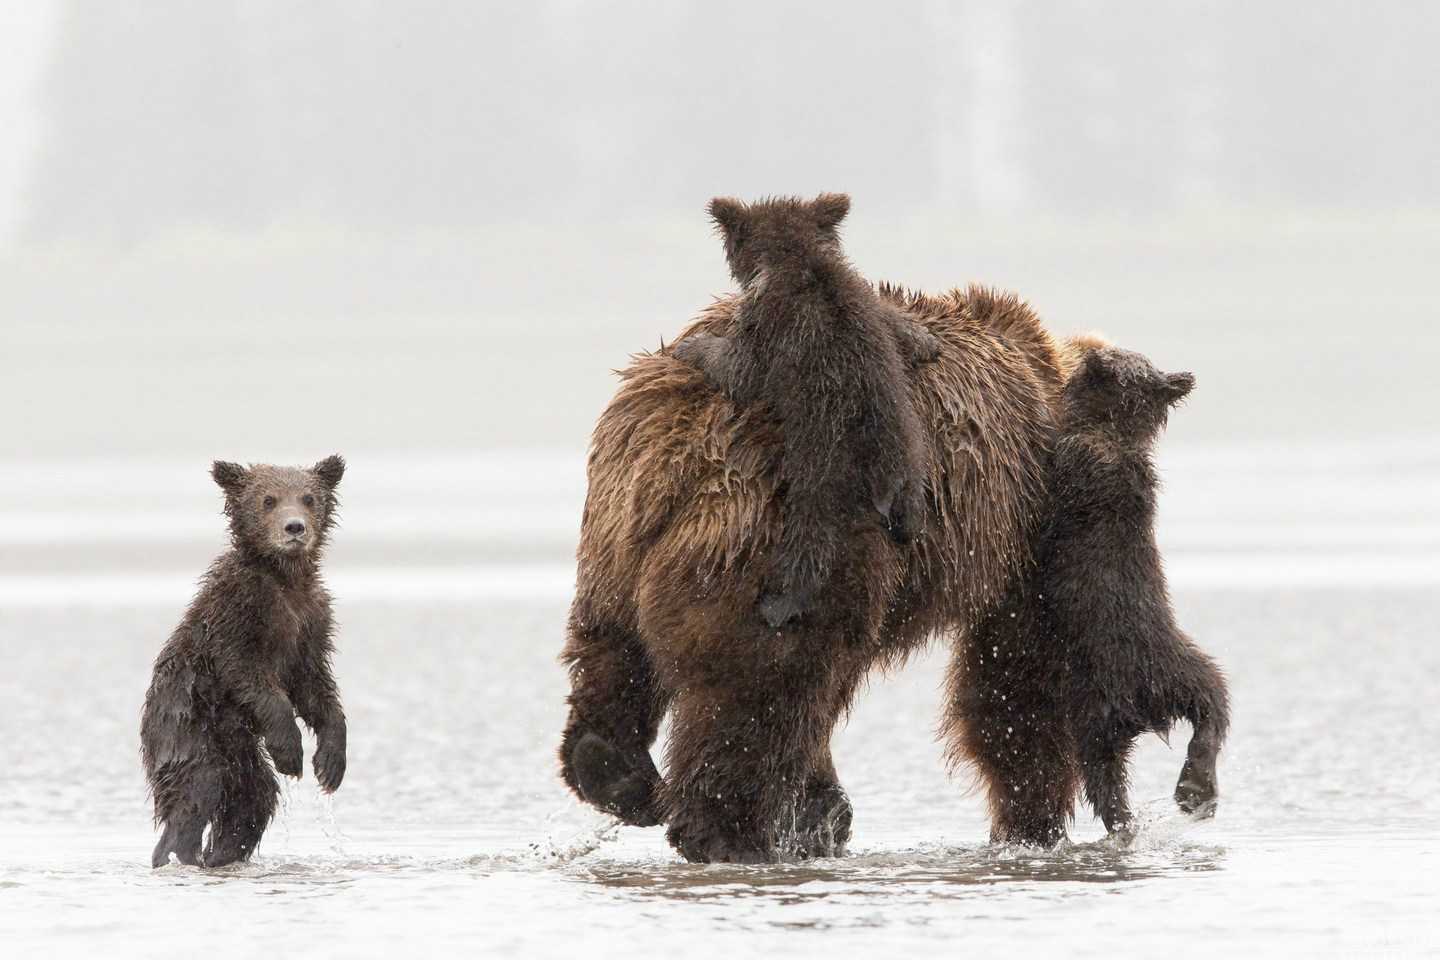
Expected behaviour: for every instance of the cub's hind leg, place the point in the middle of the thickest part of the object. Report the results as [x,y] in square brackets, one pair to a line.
[246,803]
[1198,693]
[182,798]
[616,705]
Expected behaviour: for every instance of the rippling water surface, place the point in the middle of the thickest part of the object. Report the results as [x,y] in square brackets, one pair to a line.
[1312,576]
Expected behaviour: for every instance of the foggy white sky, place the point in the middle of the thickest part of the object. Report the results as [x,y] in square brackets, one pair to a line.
[26,36]
[441,224]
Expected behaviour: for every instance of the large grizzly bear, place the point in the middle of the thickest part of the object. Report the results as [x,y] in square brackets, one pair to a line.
[826,358]
[250,655]
[682,518]
[1083,654]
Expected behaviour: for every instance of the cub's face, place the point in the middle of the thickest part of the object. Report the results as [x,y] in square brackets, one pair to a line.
[761,235]
[280,511]
[1121,388]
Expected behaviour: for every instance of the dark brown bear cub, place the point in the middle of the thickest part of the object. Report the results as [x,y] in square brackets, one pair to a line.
[1084,655]
[251,654]
[826,356]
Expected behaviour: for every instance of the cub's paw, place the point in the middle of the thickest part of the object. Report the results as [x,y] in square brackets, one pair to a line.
[285,752]
[1197,797]
[904,524]
[924,346]
[694,349]
[329,763]
[779,609]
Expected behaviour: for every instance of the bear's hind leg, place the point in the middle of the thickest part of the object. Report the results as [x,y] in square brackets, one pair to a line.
[825,815]
[740,757]
[1202,698]
[186,793]
[249,794]
[1005,720]
[615,708]
[182,836]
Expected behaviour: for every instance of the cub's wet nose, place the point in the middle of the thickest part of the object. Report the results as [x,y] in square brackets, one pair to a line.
[295,527]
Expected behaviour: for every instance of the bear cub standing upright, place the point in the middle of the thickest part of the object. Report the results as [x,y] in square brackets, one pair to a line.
[827,356]
[250,655]
[1084,654]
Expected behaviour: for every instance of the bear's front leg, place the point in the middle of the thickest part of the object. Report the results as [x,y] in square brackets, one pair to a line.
[740,755]
[616,704]
[329,759]
[275,722]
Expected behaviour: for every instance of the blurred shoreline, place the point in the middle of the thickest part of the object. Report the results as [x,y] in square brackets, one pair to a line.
[504,523]
[1314,327]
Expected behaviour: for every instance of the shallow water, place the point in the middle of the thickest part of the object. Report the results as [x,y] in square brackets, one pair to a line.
[452,833]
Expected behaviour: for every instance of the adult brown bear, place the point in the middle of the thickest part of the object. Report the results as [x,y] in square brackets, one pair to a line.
[682,517]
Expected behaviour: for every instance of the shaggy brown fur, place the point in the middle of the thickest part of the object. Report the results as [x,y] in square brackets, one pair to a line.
[816,347]
[1084,655]
[681,523]
[250,655]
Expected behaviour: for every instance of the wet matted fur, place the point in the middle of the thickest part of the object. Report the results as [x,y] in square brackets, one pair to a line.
[681,518]
[1084,653]
[818,349]
[251,654]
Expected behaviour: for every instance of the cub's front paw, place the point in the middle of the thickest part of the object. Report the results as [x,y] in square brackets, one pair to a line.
[917,344]
[695,349]
[285,752]
[329,763]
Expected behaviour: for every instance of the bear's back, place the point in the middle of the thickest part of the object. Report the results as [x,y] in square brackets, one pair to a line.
[677,468]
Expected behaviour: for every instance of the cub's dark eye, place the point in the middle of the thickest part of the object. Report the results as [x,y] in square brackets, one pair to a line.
[269,503]
[308,500]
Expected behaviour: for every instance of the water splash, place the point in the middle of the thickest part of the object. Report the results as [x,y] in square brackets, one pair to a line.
[329,826]
[565,842]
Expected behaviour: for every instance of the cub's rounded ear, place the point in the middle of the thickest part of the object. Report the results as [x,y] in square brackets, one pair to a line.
[728,214]
[830,209]
[230,476]
[1178,386]
[330,470]
[1093,364]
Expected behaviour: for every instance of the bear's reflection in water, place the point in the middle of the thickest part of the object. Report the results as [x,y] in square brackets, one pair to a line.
[928,872]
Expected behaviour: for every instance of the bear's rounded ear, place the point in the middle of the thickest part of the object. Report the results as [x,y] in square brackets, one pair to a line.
[230,476]
[330,470]
[1178,386]
[830,209]
[1093,364]
[728,214]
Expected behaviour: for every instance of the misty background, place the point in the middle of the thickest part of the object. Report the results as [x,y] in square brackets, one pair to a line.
[424,235]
